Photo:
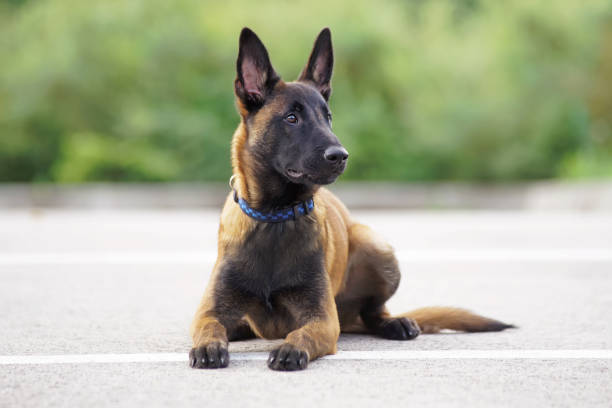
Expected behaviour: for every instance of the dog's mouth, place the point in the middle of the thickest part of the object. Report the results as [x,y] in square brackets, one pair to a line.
[294,174]
[300,177]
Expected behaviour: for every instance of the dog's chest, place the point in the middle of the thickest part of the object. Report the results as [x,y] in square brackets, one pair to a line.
[275,257]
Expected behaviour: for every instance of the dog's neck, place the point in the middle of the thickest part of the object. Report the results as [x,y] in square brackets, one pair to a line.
[260,184]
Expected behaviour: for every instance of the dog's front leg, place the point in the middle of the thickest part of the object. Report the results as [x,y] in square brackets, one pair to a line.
[209,344]
[317,337]
[218,313]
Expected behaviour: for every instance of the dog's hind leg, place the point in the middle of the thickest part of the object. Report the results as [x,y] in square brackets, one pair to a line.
[373,277]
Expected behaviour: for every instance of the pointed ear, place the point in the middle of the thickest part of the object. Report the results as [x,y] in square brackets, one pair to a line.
[318,70]
[255,75]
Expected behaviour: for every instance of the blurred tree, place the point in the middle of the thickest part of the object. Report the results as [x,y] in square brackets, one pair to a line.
[423,90]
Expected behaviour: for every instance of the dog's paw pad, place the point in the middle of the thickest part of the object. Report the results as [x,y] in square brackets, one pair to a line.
[288,358]
[212,355]
[400,328]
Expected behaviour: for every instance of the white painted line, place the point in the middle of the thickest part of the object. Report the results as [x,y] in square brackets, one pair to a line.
[472,354]
[94,358]
[506,254]
[405,256]
[396,355]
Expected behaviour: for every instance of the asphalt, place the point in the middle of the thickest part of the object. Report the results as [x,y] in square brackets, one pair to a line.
[112,285]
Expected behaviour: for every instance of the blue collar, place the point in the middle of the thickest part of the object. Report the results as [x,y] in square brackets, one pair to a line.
[282,215]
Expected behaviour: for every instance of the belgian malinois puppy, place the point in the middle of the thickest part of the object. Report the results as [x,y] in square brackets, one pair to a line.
[291,261]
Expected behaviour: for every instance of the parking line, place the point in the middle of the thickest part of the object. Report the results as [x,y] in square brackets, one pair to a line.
[600,354]
[405,256]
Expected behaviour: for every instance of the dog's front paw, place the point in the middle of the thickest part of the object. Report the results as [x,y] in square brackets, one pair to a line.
[399,328]
[211,355]
[288,358]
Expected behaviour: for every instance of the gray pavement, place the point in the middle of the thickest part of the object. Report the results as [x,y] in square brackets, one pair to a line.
[128,282]
[580,195]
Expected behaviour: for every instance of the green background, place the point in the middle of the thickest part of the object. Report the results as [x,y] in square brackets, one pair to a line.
[422,90]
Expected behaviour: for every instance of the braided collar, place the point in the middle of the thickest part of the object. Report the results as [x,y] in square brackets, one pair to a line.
[282,215]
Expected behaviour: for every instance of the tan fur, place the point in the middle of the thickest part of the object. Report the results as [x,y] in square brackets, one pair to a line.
[246,184]
[205,328]
[436,318]
[360,266]
[355,258]
[317,337]
[293,293]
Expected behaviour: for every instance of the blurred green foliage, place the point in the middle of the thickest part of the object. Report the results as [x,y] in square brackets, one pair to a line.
[423,90]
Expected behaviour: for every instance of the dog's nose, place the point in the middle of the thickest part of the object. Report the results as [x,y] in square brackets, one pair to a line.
[335,154]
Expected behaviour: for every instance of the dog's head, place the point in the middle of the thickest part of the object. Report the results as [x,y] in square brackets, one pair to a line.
[289,125]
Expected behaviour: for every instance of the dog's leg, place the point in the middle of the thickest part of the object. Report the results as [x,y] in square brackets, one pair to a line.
[317,337]
[374,277]
[209,343]
[217,319]
[378,320]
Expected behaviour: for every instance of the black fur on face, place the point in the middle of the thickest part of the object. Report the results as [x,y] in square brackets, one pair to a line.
[289,124]
[301,134]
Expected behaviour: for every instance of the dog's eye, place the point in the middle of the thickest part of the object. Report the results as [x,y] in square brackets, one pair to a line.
[291,118]
[329,117]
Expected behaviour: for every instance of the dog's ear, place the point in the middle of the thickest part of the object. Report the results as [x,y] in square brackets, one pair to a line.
[319,68]
[256,77]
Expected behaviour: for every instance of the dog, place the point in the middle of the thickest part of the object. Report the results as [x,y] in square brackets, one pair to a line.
[291,261]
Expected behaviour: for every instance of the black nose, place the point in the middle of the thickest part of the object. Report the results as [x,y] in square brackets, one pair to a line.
[335,154]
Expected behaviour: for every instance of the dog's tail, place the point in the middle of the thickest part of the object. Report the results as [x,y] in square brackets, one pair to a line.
[436,318]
